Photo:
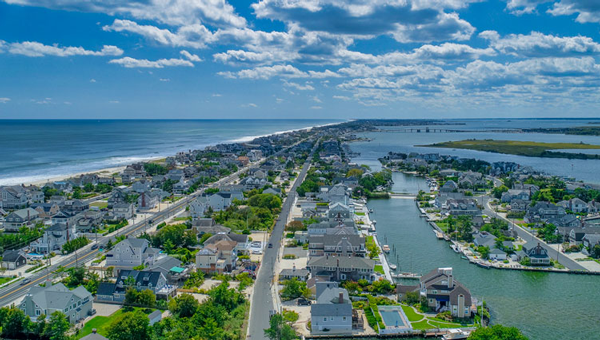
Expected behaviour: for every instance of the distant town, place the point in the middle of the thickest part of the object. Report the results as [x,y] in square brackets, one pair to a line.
[273,238]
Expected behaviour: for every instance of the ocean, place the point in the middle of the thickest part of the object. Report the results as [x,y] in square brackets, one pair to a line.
[34,150]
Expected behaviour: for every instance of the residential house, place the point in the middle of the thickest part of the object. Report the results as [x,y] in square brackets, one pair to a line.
[299,274]
[241,240]
[148,201]
[118,196]
[46,210]
[218,257]
[154,281]
[537,255]
[76,304]
[273,191]
[13,259]
[339,211]
[515,194]
[449,186]
[131,252]
[170,267]
[54,238]
[342,268]
[122,211]
[543,211]
[462,207]
[443,293]
[141,186]
[13,197]
[334,194]
[89,220]
[332,313]
[21,218]
[336,244]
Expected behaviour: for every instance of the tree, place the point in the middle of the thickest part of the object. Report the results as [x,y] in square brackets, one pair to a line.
[497,332]
[76,276]
[146,298]
[130,326]
[131,296]
[498,191]
[210,330]
[58,326]
[184,306]
[293,289]
[14,322]
[279,329]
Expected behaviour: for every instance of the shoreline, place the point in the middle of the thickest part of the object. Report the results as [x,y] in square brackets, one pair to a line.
[112,169]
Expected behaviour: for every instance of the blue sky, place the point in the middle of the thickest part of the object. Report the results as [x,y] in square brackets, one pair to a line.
[299,58]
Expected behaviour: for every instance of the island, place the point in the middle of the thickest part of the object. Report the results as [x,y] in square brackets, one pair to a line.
[522,148]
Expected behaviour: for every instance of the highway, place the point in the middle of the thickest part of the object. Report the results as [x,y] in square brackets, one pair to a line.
[262,299]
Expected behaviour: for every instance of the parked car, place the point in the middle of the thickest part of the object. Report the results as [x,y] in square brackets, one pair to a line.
[25,281]
[303,302]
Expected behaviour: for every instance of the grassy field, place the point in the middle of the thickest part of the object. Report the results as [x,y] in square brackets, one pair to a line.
[521,148]
[4,280]
[379,269]
[101,323]
[100,205]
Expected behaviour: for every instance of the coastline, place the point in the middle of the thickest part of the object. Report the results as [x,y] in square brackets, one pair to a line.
[112,169]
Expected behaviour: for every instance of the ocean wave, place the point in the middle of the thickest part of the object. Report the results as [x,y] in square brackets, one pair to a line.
[247,139]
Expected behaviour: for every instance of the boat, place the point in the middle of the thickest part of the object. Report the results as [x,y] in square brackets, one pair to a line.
[371,211]
[464,257]
[386,248]
[455,248]
[374,222]
[456,334]
[483,265]
[393,266]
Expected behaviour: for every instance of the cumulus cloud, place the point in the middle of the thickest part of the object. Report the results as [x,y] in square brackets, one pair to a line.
[4,100]
[190,57]
[300,87]
[36,49]
[173,12]
[538,44]
[586,10]
[145,63]
[193,36]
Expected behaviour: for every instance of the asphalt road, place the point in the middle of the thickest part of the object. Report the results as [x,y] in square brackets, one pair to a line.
[528,237]
[262,299]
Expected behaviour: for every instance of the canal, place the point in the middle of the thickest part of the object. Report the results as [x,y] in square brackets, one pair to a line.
[542,305]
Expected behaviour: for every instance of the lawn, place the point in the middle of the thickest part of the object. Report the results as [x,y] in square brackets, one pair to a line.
[411,314]
[420,325]
[521,148]
[379,269]
[101,323]
[99,204]
[359,213]
[4,280]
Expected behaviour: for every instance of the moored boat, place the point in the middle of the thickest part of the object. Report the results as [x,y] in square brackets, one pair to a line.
[393,266]
[386,248]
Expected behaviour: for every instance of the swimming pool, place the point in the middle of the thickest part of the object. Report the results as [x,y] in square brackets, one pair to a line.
[393,316]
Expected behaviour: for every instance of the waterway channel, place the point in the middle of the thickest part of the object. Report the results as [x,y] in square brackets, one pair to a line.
[543,305]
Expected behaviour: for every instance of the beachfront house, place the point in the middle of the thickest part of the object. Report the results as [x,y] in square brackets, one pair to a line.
[13,197]
[76,304]
[21,218]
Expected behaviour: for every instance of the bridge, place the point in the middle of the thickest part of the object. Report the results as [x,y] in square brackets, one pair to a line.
[403,196]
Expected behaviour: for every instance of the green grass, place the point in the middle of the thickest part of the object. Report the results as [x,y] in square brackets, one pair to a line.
[4,280]
[379,269]
[421,325]
[100,205]
[359,213]
[411,314]
[100,323]
[521,148]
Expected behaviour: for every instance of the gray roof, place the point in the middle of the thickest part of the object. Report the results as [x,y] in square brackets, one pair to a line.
[94,336]
[11,256]
[342,262]
[57,296]
[331,310]
[294,272]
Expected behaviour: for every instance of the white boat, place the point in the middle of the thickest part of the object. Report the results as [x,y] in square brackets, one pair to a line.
[455,248]
[455,334]
[393,266]
[385,248]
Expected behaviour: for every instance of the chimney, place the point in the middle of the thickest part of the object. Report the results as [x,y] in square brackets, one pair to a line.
[341,298]
[450,281]
[294,268]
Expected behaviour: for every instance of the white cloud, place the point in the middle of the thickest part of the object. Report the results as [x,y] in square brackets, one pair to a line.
[36,49]
[172,12]
[586,10]
[341,97]
[190,57]
[537,44]
[316,107]
[305,87]
[164,80]
[114,102]
[144,63]
[316,99]
[193,36]
[217,95]
[266,72]
[251,105]
[92,80]
[4,100]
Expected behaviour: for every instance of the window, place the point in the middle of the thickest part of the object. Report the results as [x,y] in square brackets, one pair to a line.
[344,318]
[324,319]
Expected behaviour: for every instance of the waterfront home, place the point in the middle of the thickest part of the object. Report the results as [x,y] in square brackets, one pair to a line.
[13,259]
[497,254]
[21,218]
[462,207]
[332,227]
[337,245]
[485,239]
[441,199]
[218,257]
[76,304]
[339,211]
[54,238]
[449,186]
[131,252]
[154,281]
[332,313]
[335,194]
[449,173]
[538,256]
[500,168]
[342,268]
[13,197]
[122,211]
[133,172]
[443,293]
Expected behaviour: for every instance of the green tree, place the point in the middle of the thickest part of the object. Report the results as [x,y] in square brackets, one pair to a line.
[14,322]
[130,326]
[497,332]
[498,191]
[146,298]
[279,329]
[293,289]
[57,327]
[76,276]
[184,306]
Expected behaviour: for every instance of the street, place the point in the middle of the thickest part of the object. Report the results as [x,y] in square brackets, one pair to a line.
[262,299]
